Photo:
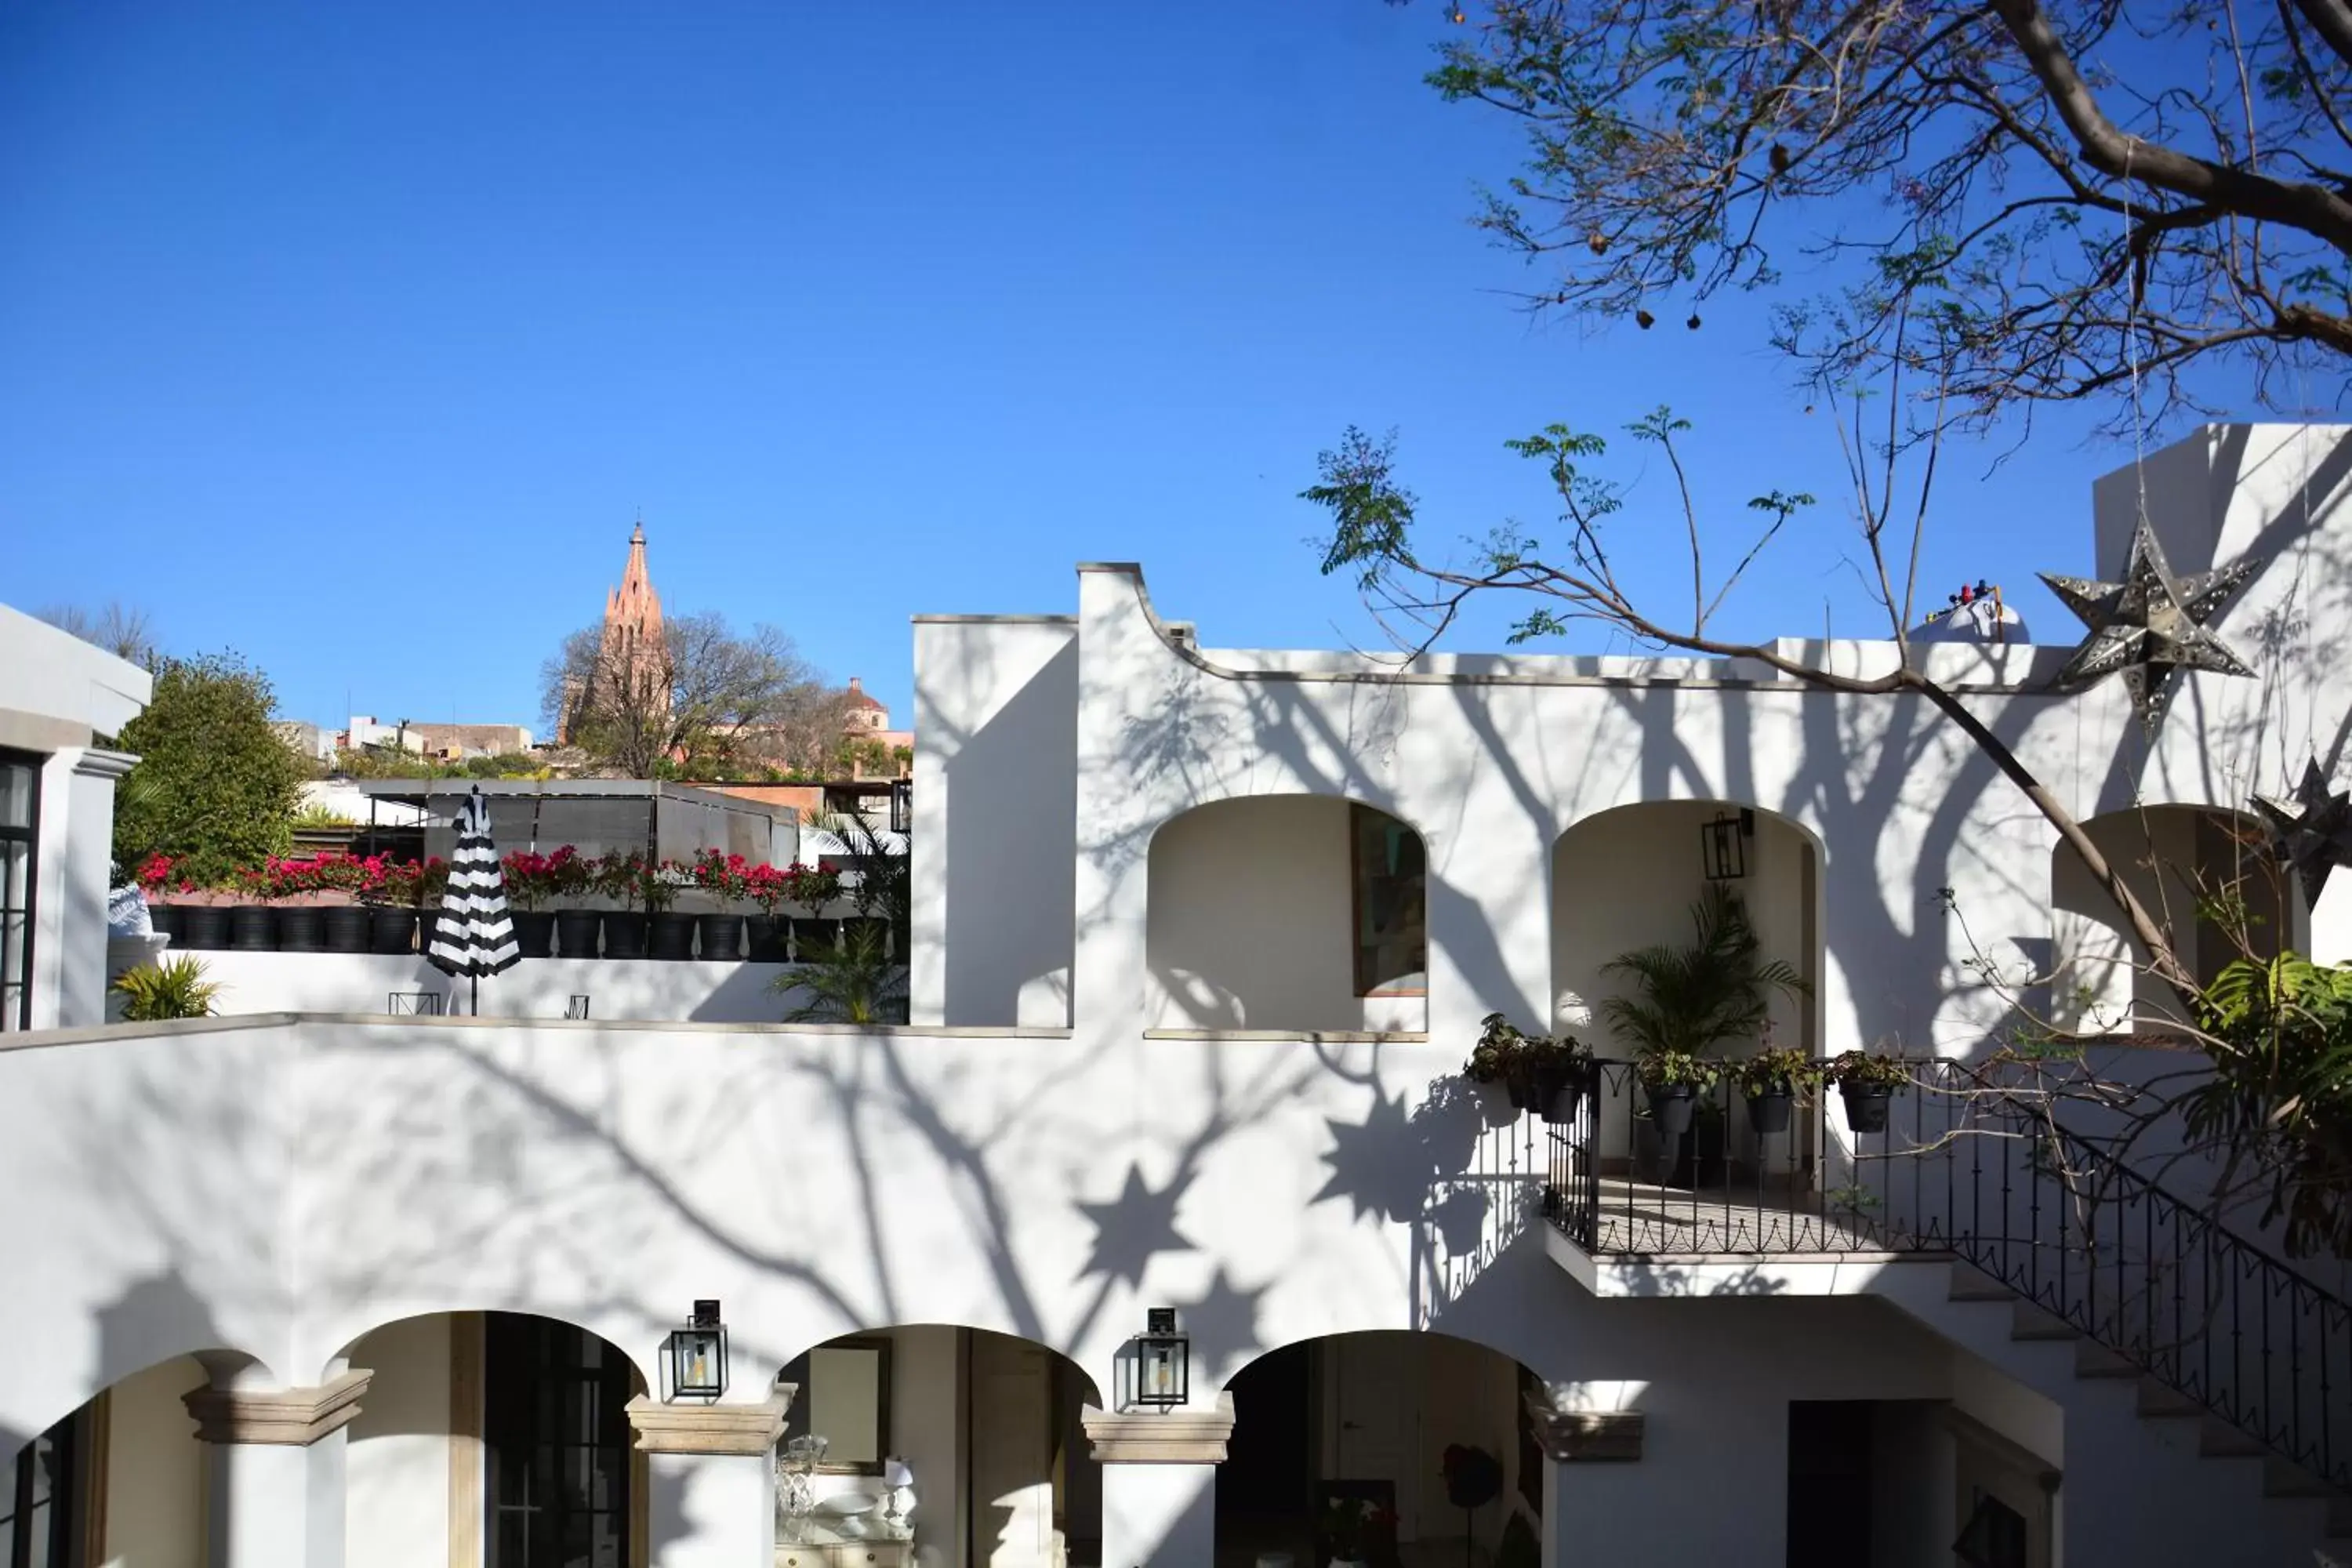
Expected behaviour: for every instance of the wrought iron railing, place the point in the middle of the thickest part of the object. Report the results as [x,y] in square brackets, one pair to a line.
[1961,1165]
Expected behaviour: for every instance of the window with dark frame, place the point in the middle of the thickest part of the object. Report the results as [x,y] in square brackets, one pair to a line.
[1390,876]
[20,825]
[40,1500]
[556,1430]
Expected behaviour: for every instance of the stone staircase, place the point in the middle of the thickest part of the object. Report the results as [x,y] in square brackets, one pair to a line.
[2303,1518]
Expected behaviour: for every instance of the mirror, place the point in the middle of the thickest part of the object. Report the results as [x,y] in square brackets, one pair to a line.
[845,1398]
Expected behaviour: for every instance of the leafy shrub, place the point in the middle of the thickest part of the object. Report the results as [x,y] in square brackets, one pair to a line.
[174,988]
[216,787]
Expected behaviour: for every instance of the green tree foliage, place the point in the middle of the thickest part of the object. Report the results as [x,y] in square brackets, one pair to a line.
[2279,1033]
[215,787]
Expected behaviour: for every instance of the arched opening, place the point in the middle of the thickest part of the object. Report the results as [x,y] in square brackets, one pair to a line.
[120,1479]
[1627,879]
[1413,1447]
[2210,880]
[963,1444]
[501,1438]
[1705,915]
[1304,912]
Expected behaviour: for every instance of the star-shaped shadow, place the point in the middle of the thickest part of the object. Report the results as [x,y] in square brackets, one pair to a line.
[2150,626]
[1135,1226]
[1383,1166]
[1223,1323]
[2314,829]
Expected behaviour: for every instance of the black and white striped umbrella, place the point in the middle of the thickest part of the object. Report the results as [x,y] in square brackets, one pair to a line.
[475,935]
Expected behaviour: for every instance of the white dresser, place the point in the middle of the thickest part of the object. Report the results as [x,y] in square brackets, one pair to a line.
[826,1549]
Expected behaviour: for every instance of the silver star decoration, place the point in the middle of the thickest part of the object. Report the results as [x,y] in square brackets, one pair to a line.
[2150,626]
[2314,829]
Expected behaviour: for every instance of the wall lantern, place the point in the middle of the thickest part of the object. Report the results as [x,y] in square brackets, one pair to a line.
[1723,844]
[697,1355]
[902,806]
[1163,1360]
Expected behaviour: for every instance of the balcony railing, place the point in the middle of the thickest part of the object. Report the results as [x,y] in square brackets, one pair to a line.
[1962,1168]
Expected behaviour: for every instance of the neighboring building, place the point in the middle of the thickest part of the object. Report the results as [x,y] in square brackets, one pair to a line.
[885,753]
[1202,938]
[61,700]
[456,742]
[310,740]
[365,733]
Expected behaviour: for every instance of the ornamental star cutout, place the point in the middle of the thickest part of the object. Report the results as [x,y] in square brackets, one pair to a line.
[2314,829]
[2150,626]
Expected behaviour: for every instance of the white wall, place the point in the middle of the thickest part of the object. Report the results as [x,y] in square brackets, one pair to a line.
[995,807]
[154,1471]
[397,1463]
[1252,922]
[636,989]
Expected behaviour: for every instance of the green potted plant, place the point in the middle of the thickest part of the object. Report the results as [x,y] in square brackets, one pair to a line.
[1689,999]
[171,988]
[1672,1080]
[571,877]
[1770,1082]
[1499,1060]
[1866,1082]
[529,885]
[1558,1068]
[669,933]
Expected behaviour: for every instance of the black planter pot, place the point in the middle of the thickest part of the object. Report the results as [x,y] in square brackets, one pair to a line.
[346,927]
[669,935]
[164,919]
[428,924]
[813,938]
[1670,1107]
[771,939]
[534,933]
[1521,1090]
[866,929]
[722,938]
[1769,1113]
[575,933]
[392,930]
[252,928]
[302,928]
[204,927]
[1559,1089]
[1866,1105]
[624,934]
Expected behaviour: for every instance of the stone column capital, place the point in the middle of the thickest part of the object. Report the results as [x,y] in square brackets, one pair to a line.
[1160,1437]
[97,763]
[289,1417]
[710,1429]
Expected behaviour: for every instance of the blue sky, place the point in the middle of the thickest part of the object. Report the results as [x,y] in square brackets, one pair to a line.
[353,337]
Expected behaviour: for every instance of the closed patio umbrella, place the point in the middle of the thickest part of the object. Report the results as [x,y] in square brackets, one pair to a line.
[475,934]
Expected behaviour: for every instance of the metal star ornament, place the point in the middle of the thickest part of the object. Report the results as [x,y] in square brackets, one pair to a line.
[2314,829]
[2150,626]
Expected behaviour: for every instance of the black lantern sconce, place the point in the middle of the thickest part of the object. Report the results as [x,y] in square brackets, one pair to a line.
[1723,844]
[697,1355]
[1163,1361]
[902,806]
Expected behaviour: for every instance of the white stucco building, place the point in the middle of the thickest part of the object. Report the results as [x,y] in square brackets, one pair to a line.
[1202,937]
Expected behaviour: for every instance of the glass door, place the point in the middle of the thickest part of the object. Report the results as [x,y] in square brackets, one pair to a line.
[555,1428]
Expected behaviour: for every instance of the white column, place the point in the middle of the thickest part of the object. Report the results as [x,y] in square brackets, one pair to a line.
[1159,1483]
[711,1469]
[2330,937]
[76,817]
[274,1468]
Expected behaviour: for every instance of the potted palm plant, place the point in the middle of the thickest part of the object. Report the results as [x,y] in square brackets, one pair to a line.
[1688,999]
[1866,1082]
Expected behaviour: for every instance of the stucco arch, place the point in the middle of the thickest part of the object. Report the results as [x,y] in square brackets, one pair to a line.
[2171,855]
[1254,914]
[1384,1407]
[1626,877]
